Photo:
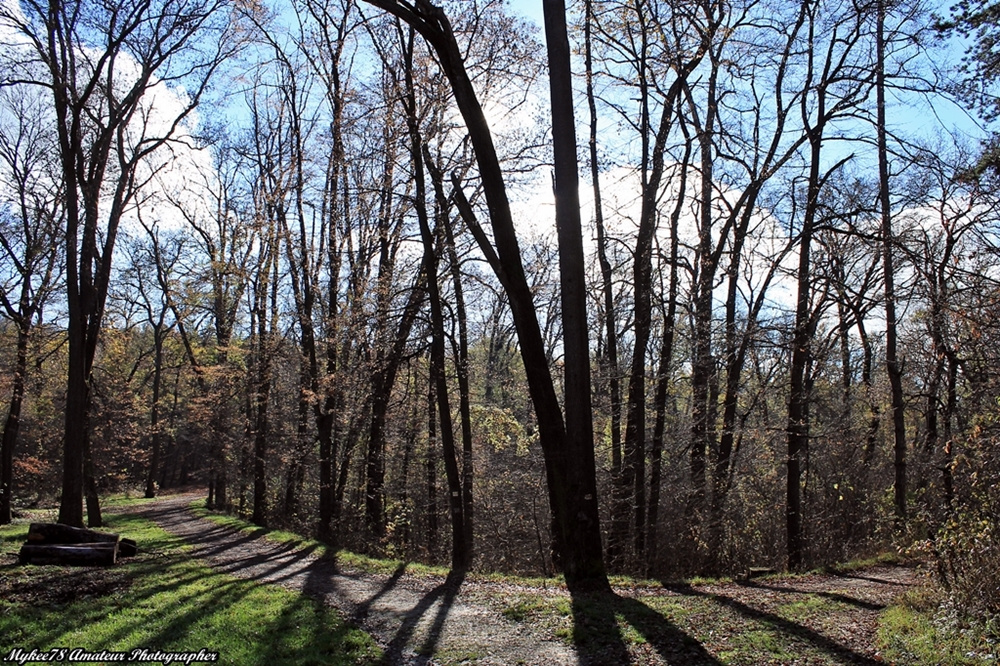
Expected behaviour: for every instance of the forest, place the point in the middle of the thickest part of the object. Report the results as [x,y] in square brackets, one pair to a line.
[661,288]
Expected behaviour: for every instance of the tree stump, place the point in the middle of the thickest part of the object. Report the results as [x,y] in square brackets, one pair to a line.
[87,554]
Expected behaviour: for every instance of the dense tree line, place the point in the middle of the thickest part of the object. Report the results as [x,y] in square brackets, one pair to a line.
[766,336]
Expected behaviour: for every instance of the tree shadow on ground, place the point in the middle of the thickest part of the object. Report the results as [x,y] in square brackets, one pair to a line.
[446,593]
[872,579]
[833,596]
[838,651]
[165,601]
[363,608]
[605,623]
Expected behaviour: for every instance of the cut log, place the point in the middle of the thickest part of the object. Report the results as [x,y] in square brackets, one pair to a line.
[55,543]
[757,572]
[57,533]
[127,548]
[89,554]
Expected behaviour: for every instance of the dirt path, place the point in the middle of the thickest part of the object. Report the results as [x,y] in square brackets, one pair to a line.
[410,617]
[817,619]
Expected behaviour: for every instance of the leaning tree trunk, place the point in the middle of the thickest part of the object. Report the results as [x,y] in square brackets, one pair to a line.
[568,455]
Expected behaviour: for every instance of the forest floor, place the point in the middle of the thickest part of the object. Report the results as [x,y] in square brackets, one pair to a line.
[420,618]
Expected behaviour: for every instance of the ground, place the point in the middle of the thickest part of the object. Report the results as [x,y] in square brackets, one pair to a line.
[423,619]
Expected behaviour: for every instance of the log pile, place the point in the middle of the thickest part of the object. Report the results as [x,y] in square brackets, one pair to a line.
[54,543]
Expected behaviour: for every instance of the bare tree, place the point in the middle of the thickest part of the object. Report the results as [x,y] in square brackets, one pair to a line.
[29,255]
[102,64]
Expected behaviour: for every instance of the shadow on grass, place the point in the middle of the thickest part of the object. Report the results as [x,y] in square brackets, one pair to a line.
[321,577]
[605,624]
[307,632]
[173,603]
[210,541]
[832,648]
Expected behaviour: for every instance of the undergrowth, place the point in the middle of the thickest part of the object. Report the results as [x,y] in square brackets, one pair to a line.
[924,629]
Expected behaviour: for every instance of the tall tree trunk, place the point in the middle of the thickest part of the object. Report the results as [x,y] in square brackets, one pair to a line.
[569,458]
[635,429]
[581,530]
[77,405]
[618,533]
[703,362]
[431,470]
[798,426]
[666,362]
[385,379]
[94,518]
[154,413]
[659,427]
[893,367]
[12,424]
[459,542]
[797,431]
[461,354]
[91,115]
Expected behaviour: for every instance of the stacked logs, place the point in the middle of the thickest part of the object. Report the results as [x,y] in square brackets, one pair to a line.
[55,543]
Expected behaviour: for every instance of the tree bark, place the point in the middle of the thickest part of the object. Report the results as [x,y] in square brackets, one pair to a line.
[12,425]
[57,533]
[580,517]
[154,413]
[459,541]
[461,356]
[892,364]
[618,532]
[572,488]
[91,554]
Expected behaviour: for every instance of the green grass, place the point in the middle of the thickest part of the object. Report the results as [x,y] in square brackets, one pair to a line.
[166,601]
[916,631]
[163,600]
[760,644]
[808,607]
[522,608]
[888,557]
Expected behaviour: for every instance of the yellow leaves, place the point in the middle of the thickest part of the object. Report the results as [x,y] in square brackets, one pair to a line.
[498,428]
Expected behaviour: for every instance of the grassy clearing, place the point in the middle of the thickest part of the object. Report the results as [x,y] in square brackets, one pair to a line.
[919,630]
[48,510]
[745,625]
[164,601]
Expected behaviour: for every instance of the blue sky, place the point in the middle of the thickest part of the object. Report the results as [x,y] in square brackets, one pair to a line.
[531,9]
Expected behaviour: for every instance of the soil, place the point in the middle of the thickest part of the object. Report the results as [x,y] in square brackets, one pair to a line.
[423,619]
